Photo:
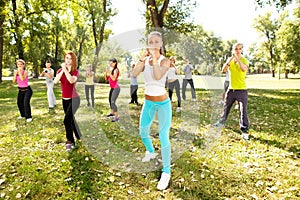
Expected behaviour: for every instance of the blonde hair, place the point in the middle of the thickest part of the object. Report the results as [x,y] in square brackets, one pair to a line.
[161,50]
[235,45]
[22,61]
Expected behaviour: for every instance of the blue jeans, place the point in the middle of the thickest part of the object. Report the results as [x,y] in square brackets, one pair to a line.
[164,113]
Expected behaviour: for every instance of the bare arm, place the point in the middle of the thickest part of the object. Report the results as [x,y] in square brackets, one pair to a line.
[139,67]
[22,76]
[58,76]
[15,76]
[112,76]
[160,70]
[226,64]
[51,74]
[243,66]
[70,78]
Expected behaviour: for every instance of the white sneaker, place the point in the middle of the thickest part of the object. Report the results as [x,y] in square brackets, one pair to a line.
[29,120]
[164,181]
[245,136]
[193,99]
[178,109]
[221,102]
[149,156]
[236,107]
[20,117]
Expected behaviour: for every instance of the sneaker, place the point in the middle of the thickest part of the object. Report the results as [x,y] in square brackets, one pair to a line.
[236,107]
[164,181]
[218,125]
[193,99]
[221,102]
[29,120]
[149,156]
[110,115]
[20,117]
[115,119]
[178,109]
[69,146]
[245,136]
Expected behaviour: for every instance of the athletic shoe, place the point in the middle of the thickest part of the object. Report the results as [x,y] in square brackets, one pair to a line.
[178,109]
[69,146]
[149,156]
[164,181]
[110,115]
[221,102]
[29,120]
[115,119]
[218,125]
[236,107]
[245,135]
[20,117]
[193,99]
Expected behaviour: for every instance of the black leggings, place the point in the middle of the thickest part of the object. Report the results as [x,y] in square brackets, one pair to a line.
[70,107]
[23,102]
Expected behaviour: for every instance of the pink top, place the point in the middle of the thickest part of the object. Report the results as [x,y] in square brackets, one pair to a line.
[113,83]
[68,89]
[24,83]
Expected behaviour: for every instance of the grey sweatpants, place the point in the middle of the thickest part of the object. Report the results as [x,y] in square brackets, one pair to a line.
[242,97]
[176,85]
[184,84]
[113,95]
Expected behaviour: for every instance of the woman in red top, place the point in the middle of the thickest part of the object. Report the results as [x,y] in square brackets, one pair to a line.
[112,77]
[68,76]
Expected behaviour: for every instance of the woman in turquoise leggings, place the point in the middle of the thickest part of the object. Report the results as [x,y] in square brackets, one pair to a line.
[155,67]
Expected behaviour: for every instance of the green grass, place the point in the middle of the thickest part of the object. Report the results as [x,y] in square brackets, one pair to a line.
[207,163]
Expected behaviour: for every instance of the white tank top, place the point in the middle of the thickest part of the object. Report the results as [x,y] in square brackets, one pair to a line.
[154,87]
[171,74]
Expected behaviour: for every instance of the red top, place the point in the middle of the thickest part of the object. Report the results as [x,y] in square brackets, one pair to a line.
[68,89]
[113,83]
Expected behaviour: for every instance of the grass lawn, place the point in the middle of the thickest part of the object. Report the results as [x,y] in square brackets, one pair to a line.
[207,163]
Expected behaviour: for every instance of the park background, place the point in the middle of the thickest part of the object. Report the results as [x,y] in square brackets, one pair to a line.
[34,164]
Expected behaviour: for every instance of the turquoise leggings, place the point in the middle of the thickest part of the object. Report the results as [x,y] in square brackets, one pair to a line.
[164,113]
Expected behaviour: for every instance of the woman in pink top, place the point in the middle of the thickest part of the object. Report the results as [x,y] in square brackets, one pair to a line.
[68,76]
[25,91]
[112,77]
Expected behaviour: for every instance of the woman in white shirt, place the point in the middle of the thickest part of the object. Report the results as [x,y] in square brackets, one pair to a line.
[155,67]
[173,82]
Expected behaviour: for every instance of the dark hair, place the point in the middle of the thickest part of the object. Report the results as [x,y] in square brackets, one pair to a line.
[114,60]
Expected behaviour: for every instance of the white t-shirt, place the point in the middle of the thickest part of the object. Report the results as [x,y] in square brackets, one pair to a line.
[154,87]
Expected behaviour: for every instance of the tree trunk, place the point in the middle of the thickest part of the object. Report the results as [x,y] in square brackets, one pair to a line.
[17,35]
[157,17]
[80,52]
[287,73]
[1,45]
[273,73]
